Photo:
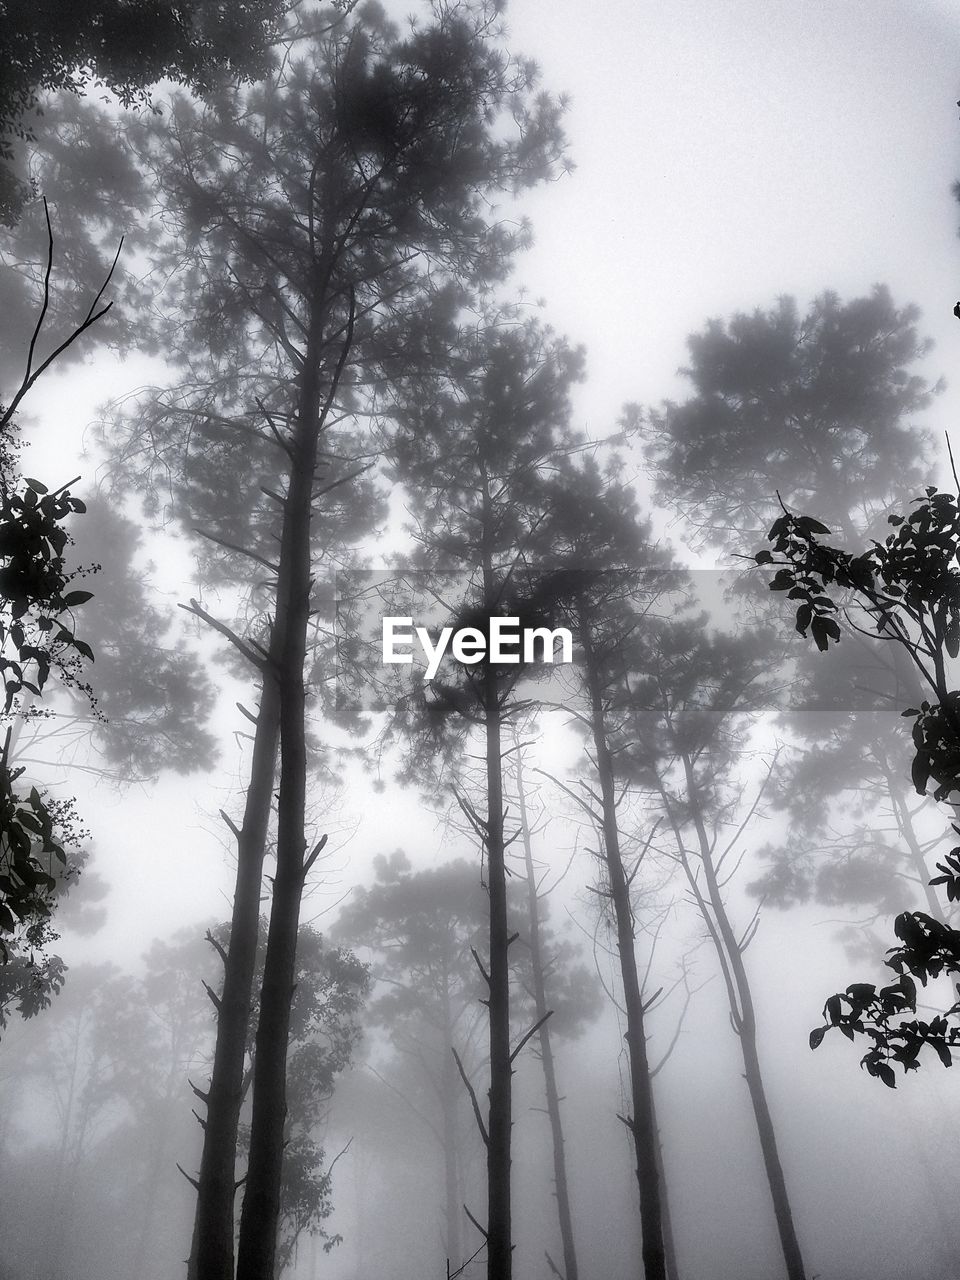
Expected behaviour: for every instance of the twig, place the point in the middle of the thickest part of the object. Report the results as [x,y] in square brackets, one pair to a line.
[476,1111]
[533,1030]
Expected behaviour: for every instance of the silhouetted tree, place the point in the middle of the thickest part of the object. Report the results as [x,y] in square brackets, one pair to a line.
[907,590]
[605,576]
[543,977]
[689,695]
[472,455]
[355,194]
[37,638]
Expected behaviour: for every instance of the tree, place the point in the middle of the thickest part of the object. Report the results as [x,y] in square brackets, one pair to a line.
[52,47]
[546,975]
[817,407]
[34,631]
[472,453]
[865,837]
[605,574]
[423,928]
[153,697]
[688,692]
[345,194]
[906,590]
[103,1107]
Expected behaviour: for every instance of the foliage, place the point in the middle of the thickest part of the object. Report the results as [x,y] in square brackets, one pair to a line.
[887,1015]
[34,597]
[34,586]
[909,588]
[125,47]
[816,405]
[153,695]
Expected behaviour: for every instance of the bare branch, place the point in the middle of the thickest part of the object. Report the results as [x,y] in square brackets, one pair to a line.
[476,1224]
[314,855]
[476,1109]
[533,1030]
[230,823]
[216,946]
[241,551]
[483,972]
[198,611]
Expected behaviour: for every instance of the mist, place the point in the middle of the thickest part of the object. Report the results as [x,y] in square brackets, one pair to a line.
[481,747]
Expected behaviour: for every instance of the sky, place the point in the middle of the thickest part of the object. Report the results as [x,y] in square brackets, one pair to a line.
[726,153]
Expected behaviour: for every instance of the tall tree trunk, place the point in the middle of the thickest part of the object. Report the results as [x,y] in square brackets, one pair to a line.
[211,1255]
[261,1202]
[641,1123]
[745,1022]
[669,1241]
[499,1246]
[451,1088]
[500,1115]
[449,1098]
[546,1047]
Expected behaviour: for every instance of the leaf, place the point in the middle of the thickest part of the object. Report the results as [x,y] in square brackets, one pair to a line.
[808,525]
[920,772]
[823,630]
[816,1036]
[885,1073]
[76,597]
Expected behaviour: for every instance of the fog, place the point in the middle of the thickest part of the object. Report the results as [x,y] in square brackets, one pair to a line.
[329,955]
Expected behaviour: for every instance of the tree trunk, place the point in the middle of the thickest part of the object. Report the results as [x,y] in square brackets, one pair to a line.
[641,1123]
[211,1255]
[499,1247]
[261,1202]
[450,1093]
[449,1100]
[669,1242]
[745,1023]
[546,1047]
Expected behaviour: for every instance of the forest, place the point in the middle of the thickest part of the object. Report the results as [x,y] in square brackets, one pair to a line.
[479,628]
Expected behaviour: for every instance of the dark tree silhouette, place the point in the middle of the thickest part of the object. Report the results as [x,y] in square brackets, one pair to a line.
[37,636]
[605,576]
[689,695]
[472,454]
[906,590]
[354,198]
